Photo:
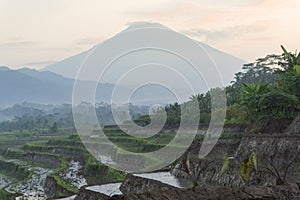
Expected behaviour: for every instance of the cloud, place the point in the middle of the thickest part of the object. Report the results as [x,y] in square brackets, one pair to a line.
[215,14]
[231,25]
[20,44]
[206,35]
[37,64]
[233,32]
[15,38]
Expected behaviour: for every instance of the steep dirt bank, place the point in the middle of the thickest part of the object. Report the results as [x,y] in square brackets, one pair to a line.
[276,149]
[52,161]
[294,128]
[289,191]
[38,158]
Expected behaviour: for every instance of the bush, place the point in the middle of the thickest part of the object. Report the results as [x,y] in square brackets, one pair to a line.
[236,114]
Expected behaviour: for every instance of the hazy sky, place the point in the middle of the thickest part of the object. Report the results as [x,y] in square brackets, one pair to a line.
[35,33]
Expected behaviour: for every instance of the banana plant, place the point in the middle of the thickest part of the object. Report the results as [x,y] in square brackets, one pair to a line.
[226,164]
[291,78]
[246,167]
[293,61]
[250,95]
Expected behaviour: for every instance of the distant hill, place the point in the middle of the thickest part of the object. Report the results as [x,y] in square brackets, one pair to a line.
[3,68]
[17,86]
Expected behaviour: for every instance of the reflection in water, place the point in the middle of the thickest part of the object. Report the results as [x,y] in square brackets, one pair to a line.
[164,177]
[107,189]
[106,160]
[68,198]
[167,178]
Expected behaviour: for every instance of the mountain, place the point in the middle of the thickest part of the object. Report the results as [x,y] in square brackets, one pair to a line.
[228,64]
[54,83]
[69,66]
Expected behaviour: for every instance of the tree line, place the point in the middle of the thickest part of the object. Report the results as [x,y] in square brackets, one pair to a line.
[268,88]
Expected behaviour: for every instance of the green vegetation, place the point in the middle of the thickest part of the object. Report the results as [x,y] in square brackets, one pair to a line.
[138,145]
[34,120]
[279,100]
[6,196]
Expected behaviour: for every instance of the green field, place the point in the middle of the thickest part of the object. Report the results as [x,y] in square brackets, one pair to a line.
[66,146]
